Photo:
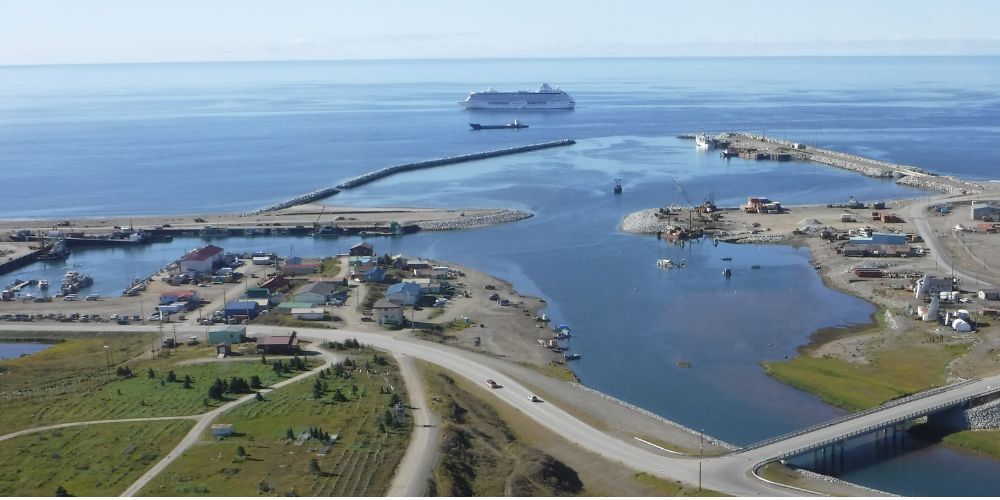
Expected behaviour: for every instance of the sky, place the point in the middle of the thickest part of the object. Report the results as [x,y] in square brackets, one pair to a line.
[119,31]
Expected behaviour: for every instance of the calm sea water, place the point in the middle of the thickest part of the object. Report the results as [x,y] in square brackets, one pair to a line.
[143,139]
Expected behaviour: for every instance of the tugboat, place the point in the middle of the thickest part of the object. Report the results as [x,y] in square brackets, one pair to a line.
[618,186]
[513,124]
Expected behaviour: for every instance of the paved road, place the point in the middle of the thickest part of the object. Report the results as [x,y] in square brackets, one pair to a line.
[411,475]
[205,419]
[731,474]
[918,214]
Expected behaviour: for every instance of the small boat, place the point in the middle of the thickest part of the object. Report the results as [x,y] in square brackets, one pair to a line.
[513,124]
[727,258]
[571,356]
[727,272]
[43,284]
[618,186]
[755,266]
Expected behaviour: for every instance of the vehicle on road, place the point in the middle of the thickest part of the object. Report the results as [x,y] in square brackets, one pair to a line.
[493,384]
[534,399]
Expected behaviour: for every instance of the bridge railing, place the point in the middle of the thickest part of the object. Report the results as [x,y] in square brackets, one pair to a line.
[852,416]
[871,428]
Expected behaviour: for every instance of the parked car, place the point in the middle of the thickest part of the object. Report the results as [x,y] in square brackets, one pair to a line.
[70,298]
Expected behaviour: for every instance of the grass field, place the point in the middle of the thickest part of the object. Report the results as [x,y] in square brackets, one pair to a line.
[94,460]
[361,463]
[985,442]
[330,267]
[71,381]
[904,369]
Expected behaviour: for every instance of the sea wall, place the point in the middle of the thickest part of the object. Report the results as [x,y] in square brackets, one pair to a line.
[644,222]
[498,217]
[982,417]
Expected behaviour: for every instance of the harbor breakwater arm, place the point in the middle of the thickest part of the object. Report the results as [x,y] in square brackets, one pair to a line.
[406,167]
[906,175]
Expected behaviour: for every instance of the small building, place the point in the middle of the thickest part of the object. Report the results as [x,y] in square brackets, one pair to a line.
[990,294]
[177,295]
[315,292]
[298,269]
[223,430]
[258,293]
[278,344]
[426,285]
[418,264]
[930,285]
[309,313]
[405,294]
[983,209]
[286,307]
[400,261]
[846,218]
[868,273]
[373,275]
[202,260]
[387,313]
[362,248]
[223,350]
[173,308]
[276,284]
[247,308]
[227,334]
[262,260]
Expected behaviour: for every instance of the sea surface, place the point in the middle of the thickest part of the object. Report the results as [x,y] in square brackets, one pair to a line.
[194,138]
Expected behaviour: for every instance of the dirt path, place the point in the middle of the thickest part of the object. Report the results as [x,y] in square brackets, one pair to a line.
[44,428]
[204,420]
[413,471]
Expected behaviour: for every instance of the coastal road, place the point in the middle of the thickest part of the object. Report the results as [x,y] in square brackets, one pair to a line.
[411,475]
[732,474]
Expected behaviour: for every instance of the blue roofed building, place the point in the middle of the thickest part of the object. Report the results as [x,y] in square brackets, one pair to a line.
[248,308]
[405,294]
[374,275]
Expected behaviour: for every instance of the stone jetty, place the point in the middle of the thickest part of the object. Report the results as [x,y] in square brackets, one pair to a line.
[449,160]
[644,222]
[462,222]
[309,197]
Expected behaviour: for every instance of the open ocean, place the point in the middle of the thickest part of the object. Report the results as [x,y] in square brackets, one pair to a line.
[194,138]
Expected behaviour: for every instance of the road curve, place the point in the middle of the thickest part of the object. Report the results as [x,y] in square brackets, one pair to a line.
[205,419]
[410,479]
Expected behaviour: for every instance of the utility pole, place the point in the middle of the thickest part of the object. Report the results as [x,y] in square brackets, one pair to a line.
[107,356]
[699,475]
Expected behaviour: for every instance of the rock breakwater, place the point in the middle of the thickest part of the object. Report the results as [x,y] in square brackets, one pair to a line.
[499,217]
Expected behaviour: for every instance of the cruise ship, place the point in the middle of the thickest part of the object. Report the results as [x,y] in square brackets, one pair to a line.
[545,97]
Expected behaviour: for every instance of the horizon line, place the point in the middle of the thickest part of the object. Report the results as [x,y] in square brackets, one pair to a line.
[501,58]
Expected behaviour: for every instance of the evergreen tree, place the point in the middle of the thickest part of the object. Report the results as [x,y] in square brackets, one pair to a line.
[217,390]
[259,396]
[314,467]
[241,453]
[171,376]
[290,434]
[61,492]
[338,396]
[255,382]
[150,373]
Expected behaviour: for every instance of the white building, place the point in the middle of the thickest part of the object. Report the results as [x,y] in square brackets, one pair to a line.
[405,294]
[308,313]
[388,312]
[929,285]
[201,261]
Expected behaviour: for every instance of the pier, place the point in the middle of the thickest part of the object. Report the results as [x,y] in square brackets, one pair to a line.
[384,172]
[23,260]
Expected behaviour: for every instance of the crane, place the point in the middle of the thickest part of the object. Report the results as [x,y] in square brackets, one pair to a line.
[683,193]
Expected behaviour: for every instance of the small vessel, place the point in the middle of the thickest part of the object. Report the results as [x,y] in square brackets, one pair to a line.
[513,124]
[703,141]
[727,272]
[571,356]
[545,97]
[43,284]
[755,266]
[668,264]
[727,258]
[618,186]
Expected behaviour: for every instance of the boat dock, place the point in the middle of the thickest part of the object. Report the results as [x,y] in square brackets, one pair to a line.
[19,257]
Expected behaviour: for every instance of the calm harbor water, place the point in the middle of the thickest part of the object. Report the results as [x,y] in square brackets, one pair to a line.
[214,137]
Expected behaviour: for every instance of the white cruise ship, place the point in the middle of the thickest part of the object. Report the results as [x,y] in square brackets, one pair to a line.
[545,97]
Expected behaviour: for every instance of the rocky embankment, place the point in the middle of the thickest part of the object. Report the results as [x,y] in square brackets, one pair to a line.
[750,237]
[644,222]
[983,417]
[462,222]
[949,185]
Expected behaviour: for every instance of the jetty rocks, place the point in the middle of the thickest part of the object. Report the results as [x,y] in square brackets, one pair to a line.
[750,238]
[499,217]
[644,222]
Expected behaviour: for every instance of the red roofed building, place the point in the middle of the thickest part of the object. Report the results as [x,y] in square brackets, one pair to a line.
[202,260]
[171,296]
[278,344]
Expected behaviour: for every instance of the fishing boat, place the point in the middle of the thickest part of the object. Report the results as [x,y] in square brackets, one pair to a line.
[618,186]
[727,258]
[755,266]
[43,284]
[570,356]
[727,272]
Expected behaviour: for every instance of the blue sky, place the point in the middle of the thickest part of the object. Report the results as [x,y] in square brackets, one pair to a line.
[93,31]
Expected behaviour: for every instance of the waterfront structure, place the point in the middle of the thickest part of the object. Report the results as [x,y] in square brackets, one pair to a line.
[388,313]
[405,294]
[545,97]
[315,292]
[201,261]
[362,249]
[227,334]
[878,244]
